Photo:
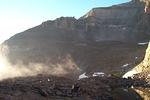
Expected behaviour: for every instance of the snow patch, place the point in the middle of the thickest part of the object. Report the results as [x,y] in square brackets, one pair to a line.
[125,65]
[144,43]
[48,80]
[136,57]
[126,90]
[132,87]
[83,76]
[130,74]
[101,74]
[98,74]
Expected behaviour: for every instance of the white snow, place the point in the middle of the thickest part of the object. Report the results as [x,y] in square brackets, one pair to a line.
[98,74]
[125,65]
[124,28]
[130,74]
[126,90]
[136,57]
[101,74]
[132,87]
[83,76]
[144,43]
[48,80]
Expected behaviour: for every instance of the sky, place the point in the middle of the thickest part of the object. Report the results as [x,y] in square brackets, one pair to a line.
[19,15]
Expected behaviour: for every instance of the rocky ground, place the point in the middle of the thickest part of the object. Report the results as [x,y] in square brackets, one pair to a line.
[46,87]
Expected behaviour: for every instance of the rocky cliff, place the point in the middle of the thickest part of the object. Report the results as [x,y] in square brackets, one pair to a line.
[143,69]
[122,20]
[105,39]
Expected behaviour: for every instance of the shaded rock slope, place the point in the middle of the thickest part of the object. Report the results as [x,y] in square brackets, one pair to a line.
[105,39]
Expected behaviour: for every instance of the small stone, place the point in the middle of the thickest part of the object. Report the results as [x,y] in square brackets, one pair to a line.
[43,93]
[58,93]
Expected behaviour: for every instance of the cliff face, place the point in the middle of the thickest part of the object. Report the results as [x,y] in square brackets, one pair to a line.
[84,44]
[143,69]
[122,20]
[146,63]
[119,12]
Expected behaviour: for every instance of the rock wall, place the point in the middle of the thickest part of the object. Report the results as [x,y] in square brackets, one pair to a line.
[123,22]
[117,23]
[144,66]
[122,15]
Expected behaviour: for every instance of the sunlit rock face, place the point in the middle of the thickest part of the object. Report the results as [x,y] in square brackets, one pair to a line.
[147,6]
[143,67]
[117,22]
[146,61]
[144,93]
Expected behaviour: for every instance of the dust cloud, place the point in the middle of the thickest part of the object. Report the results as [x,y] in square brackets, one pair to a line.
[7,70]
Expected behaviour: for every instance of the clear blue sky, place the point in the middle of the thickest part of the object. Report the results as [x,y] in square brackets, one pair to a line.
[51,9]
[18,15]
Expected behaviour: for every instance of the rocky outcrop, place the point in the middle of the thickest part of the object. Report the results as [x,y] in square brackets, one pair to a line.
[118,19]
[147,6]
[118,12]
[143,67]
[122,20]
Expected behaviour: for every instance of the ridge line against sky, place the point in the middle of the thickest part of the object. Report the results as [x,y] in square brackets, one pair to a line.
[19,15]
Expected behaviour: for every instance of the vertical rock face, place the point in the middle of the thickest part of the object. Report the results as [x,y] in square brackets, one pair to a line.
[143,67]
[146,61]
[123,20]
[145,64]
[147,6]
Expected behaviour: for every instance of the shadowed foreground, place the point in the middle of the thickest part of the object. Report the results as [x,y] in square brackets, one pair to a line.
[44,87]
